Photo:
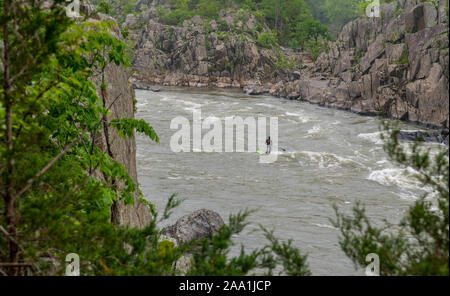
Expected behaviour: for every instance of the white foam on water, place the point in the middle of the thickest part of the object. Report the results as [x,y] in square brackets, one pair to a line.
[430,195]
[376,138]
[265,105]
[359,155]
[372,137]
[141,104]
[190,109]
[433,148]
[169,98]
[323,159]
[293,114]
[383,161]
[375,149]
[403,178]
[408,196]
[315,130]
[191,106]
[324,225]
[300,116]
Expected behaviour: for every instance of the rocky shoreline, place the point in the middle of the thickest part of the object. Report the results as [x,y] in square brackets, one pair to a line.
[396,65]
[437,134]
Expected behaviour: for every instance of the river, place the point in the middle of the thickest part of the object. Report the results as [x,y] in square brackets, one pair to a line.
[331,157]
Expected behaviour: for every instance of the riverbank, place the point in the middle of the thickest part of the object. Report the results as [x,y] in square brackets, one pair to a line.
[315,88]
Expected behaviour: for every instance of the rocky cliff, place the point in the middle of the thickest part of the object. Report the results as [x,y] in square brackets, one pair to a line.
[119,97]
[396,64]
[199,53]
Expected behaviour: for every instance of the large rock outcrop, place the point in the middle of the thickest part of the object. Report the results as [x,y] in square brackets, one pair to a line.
[200,53]
[197,225]
[396,64]
[119,98]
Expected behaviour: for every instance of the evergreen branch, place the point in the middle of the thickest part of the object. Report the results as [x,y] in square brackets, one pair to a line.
[47,167]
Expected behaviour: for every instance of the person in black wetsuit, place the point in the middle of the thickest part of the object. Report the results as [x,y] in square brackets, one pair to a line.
[269,145]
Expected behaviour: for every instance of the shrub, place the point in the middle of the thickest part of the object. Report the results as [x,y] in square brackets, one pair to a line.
[267,39]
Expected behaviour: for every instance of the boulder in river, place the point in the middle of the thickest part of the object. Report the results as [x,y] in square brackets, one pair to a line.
[197,225]
[257,89]
[145,86]
[440,137]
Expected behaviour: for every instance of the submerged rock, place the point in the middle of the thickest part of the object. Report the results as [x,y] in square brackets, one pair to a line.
[257,89]
[145,86]
[439,137]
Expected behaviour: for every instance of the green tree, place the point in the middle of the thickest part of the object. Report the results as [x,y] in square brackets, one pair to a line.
[57,186]
[293,22]
[51,114]
[104,7]
[339,12]
[267,39]
[308,31]
[208,8]
[317,8]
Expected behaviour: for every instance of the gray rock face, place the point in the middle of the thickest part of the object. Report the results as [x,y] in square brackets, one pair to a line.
[421,17]
[197,225]
[120,96]
[130,20]
[145,86]
[220,53]
[252,89]
[397,64]
[441,137]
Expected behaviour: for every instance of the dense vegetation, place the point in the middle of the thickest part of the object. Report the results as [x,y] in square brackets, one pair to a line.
[300,24]
[294,21]
[52,201]
[291,21]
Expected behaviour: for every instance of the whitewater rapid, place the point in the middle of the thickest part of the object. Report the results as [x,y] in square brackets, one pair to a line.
[331,157]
